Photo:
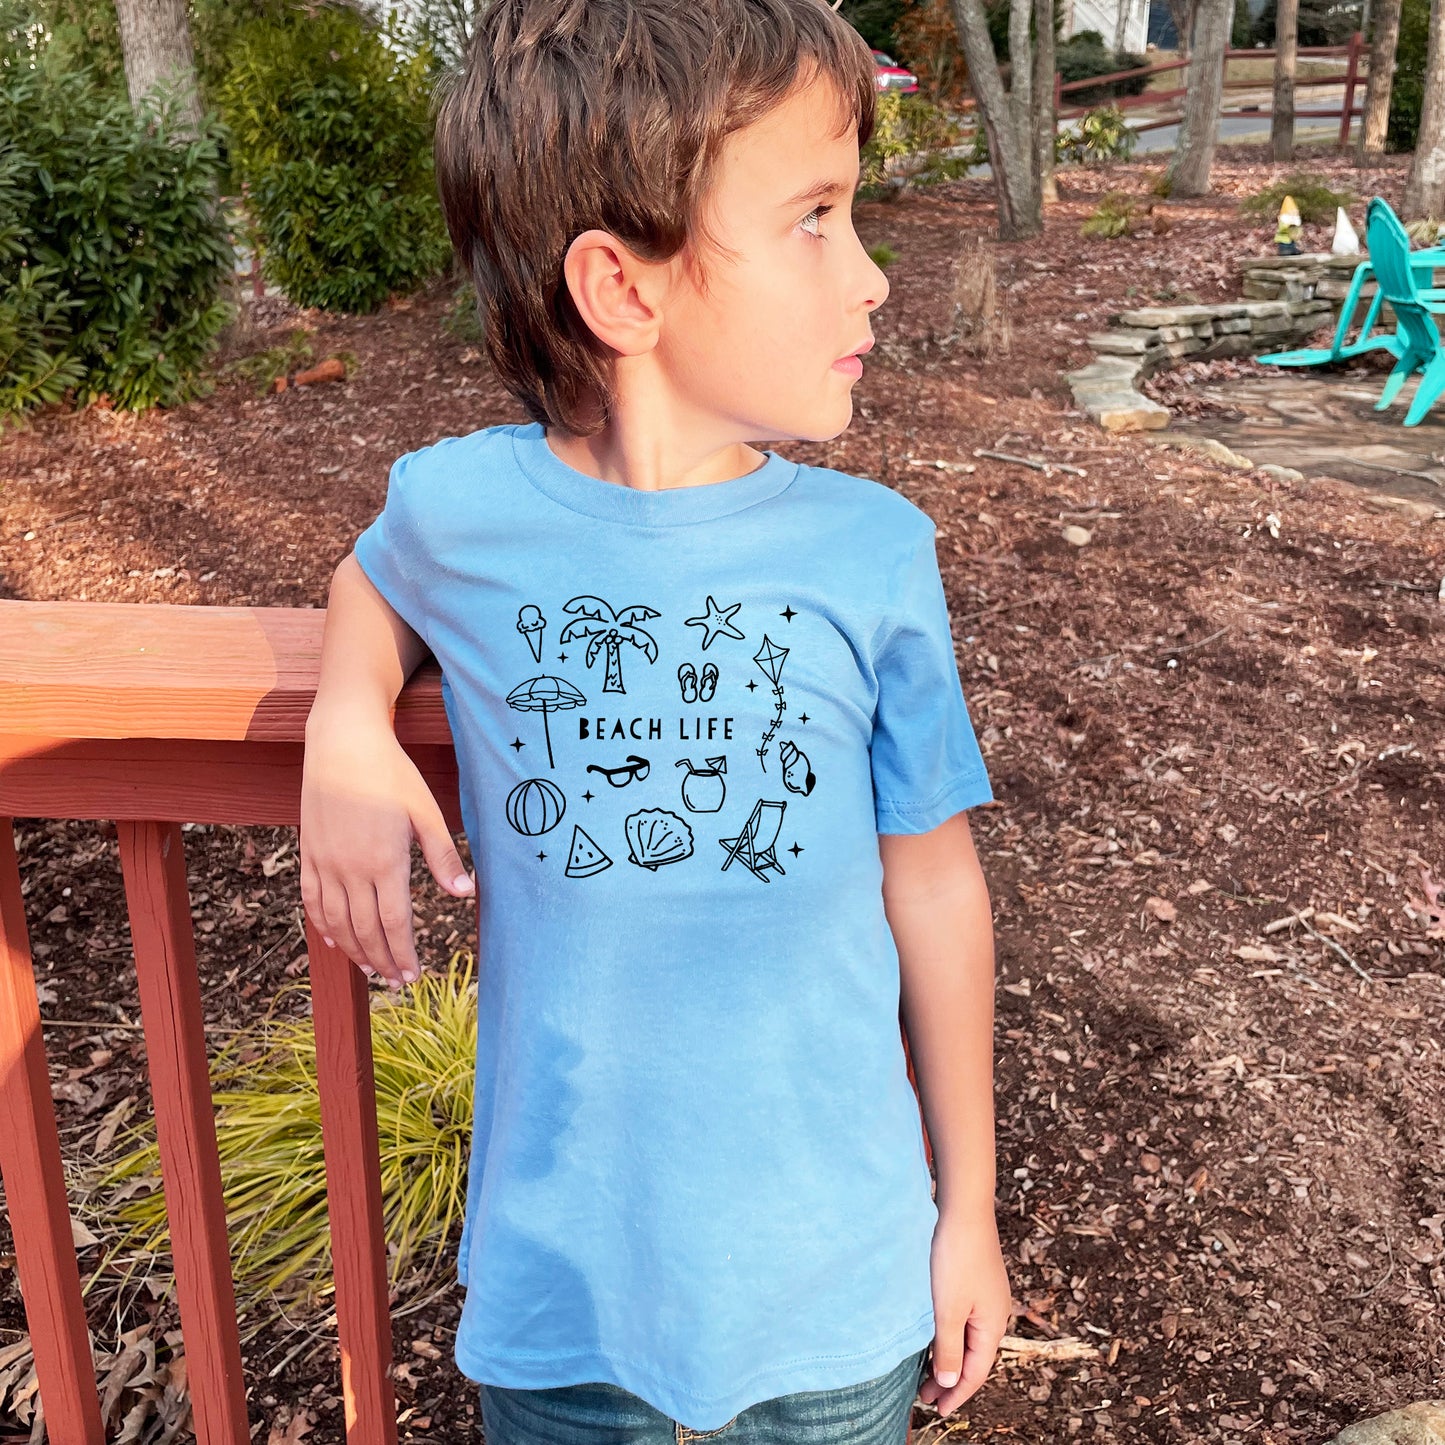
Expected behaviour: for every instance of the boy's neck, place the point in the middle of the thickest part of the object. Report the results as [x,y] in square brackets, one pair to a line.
[652,463]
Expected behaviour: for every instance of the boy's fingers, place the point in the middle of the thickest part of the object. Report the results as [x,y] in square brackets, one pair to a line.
[393,904]
[441,855]
[335,919]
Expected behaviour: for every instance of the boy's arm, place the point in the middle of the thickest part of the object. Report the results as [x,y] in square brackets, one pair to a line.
[362,798]
[938,910]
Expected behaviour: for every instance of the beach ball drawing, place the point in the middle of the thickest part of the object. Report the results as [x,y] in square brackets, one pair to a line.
[535,806]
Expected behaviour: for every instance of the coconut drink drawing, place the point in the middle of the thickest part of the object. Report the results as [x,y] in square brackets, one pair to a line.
[770,658]
[531,624]
[605,627]
[545,695]
[703,789]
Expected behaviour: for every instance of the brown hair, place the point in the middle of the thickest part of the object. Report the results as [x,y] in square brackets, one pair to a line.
[573,114]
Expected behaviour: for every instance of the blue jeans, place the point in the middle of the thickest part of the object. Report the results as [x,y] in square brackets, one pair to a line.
[874,1412]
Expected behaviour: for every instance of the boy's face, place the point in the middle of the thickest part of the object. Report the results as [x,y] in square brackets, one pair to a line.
[760,353]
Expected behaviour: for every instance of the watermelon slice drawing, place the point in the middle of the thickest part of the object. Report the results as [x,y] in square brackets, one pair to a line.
[584,858]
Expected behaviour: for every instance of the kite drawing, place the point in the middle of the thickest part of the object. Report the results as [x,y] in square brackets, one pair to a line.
[604,626]
[770,658]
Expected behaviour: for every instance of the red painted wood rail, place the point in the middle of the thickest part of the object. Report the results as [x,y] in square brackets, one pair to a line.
[154,715]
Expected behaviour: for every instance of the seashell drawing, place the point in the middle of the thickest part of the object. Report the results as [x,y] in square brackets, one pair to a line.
[797,771]
[655,837]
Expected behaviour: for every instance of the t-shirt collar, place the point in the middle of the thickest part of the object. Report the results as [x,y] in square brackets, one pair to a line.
[614,502]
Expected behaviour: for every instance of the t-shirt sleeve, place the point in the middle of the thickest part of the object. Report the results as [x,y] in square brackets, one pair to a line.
[925,758]
[393,552]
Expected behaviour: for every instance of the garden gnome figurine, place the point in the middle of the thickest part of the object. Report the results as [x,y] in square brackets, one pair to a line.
[1286,236]
[1347,239]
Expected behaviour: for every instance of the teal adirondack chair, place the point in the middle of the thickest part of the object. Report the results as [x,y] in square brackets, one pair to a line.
[1419,337]
[1367,339]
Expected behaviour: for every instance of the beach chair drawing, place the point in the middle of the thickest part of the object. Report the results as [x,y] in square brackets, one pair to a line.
[754,846]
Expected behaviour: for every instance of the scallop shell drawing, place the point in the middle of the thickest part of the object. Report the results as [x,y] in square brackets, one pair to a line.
[655,837]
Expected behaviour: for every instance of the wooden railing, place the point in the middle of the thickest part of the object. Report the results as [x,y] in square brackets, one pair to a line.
[1350,76]
[150,715]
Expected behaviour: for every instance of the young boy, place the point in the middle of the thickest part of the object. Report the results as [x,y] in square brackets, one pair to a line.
[713,752]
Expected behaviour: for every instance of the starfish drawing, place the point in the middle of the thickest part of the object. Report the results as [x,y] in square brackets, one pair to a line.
[716,620]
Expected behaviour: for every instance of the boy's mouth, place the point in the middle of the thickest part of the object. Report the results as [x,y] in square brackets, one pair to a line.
[852,363]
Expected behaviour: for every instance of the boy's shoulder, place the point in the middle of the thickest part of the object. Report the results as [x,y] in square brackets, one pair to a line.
[447,454]
[861,500]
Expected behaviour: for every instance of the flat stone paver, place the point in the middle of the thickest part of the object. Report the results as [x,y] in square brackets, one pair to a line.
[1323,422]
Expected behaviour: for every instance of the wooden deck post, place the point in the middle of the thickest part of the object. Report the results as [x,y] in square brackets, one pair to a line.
[35,1192]
[158,900]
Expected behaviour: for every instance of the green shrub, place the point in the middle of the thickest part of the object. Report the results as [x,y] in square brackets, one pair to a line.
[1407,93]
[1100,136]
[268,1133]
[882,255]
[1113,217]
[1316,200]
[115,251]
[909,145]
[1084,55]
[333,137]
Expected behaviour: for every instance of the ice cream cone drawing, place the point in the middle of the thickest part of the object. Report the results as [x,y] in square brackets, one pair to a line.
[531,624]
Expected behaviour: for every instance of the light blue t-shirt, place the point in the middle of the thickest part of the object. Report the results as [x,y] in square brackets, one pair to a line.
[682,717]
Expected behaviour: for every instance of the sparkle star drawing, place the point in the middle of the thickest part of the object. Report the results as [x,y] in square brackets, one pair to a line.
[716,621]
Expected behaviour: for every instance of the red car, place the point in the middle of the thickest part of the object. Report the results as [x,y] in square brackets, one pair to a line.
[892,76]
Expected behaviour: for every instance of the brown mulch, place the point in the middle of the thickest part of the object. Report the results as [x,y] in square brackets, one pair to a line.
[1220,1153]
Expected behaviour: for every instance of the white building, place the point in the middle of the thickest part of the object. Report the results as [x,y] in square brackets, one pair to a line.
[1124,24]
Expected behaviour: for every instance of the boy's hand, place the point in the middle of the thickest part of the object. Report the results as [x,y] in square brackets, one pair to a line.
[362,801]
[971,1305]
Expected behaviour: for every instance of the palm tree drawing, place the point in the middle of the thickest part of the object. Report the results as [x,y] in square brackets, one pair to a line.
[604,626]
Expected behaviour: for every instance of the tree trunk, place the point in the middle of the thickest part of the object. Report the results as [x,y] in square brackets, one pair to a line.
[1383,41]
[1425,190]
[1182,13]
[1286,45]
[1010,151]
[155,36]
[1045,123]
[1189,170]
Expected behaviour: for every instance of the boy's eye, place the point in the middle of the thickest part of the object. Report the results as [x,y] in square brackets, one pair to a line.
[810,222]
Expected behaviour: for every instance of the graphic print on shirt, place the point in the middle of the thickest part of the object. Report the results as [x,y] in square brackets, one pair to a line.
[655,837]
[603,625]
[623,773]
[531,624]
[754,846]
[770,657]
[703,789]
[535,806]
[716,621]
[584,858]
[545,695]
[692,689]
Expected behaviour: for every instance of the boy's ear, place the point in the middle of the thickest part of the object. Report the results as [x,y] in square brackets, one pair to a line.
[615,292]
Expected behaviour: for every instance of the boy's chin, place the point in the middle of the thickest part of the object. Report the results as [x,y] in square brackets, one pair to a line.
[829,420]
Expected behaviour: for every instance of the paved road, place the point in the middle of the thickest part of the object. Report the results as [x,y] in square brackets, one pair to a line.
[1235,127]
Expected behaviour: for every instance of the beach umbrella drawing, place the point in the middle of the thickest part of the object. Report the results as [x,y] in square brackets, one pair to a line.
[545,695]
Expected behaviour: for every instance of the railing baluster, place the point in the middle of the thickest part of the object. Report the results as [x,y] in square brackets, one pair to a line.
[35,1184]
[341,1015]
[158,900]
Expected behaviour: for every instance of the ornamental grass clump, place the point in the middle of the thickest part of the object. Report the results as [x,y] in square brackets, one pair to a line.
[268,1128]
